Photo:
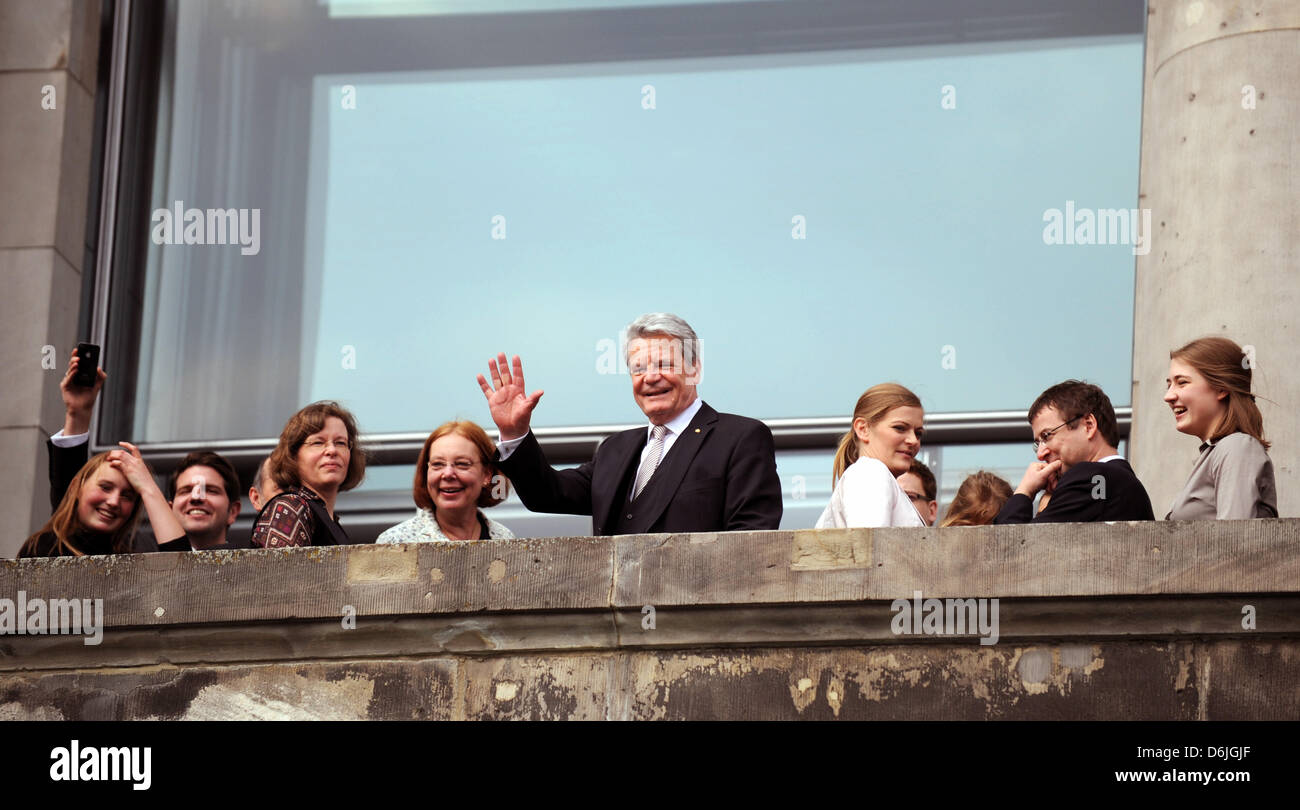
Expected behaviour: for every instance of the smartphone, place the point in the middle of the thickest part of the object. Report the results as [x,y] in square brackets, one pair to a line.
[88,355]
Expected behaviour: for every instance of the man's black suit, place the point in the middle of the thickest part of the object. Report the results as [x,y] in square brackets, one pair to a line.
[719,475]
[1079,498]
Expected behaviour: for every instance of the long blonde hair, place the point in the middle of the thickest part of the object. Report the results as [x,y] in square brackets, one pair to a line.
[65,523]
[872,406]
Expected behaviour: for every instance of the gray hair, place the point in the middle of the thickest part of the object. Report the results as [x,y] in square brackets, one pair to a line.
[665,323]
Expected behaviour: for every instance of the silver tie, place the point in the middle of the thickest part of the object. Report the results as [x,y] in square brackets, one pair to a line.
[651,462]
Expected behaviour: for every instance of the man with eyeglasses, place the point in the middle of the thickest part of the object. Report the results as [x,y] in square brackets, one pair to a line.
[1083,476]
[921,488]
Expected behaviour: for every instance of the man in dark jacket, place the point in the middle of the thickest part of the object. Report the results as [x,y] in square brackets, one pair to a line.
[1085,478]
[688,469]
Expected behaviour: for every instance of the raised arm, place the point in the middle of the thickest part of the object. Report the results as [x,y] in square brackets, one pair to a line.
[166,528]
[541,487]
[78,404]
[1019,508]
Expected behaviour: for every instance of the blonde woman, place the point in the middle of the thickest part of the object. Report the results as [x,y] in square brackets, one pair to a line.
[884,438]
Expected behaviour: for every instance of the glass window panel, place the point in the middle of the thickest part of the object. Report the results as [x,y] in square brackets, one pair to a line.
[377,281]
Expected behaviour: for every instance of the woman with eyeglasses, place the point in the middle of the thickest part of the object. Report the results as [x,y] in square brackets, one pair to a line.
[880,446]
[316,459]
[1208,390]
[454,477]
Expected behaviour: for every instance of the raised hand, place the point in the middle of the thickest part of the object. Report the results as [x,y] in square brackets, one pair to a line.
[1055,476]
[130,463]
[79,402]
[1039,475]
[166,526]
[512,408]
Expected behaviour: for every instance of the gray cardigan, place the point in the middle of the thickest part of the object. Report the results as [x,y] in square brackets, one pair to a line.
[1232,480]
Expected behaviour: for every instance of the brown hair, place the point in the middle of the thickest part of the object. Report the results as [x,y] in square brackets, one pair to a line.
[206,458]
[978,500]
[64,524]
[487,457]
[311,419]
[1220,361]
[1075,398]
[928,483]
[872,406]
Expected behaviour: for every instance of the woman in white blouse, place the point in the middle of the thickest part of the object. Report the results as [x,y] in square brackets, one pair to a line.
[885,437]
[1209,391]
[454,477]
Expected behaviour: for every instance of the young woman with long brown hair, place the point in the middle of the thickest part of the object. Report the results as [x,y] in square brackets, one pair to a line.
[1208,389]
[97,515]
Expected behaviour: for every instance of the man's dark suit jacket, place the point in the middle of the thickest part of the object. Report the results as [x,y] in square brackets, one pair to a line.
[1077,498]
[719,475]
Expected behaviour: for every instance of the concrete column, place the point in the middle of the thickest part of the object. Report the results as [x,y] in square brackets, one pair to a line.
[48,58]
[1220,143]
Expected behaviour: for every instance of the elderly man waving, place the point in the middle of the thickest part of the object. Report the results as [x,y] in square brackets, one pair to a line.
[690,469]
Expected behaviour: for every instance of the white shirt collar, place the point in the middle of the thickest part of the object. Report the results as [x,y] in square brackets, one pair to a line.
[1110,458]
[679,422]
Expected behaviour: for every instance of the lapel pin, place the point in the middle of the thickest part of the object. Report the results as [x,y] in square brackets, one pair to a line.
[697,430]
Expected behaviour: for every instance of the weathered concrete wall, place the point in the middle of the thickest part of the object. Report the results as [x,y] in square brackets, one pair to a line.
[1115,621]
[1220,145]
[48,53]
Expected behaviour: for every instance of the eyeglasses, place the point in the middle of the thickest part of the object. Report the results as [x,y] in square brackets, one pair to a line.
[343,445]
[461,465]
[1046,435]
[919,498]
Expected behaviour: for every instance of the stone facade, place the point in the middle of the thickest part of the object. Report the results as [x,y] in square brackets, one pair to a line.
[1118,621]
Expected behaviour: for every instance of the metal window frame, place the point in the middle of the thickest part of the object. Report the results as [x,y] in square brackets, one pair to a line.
[108,187]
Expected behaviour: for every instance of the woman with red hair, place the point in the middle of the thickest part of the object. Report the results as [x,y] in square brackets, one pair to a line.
[455,478]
